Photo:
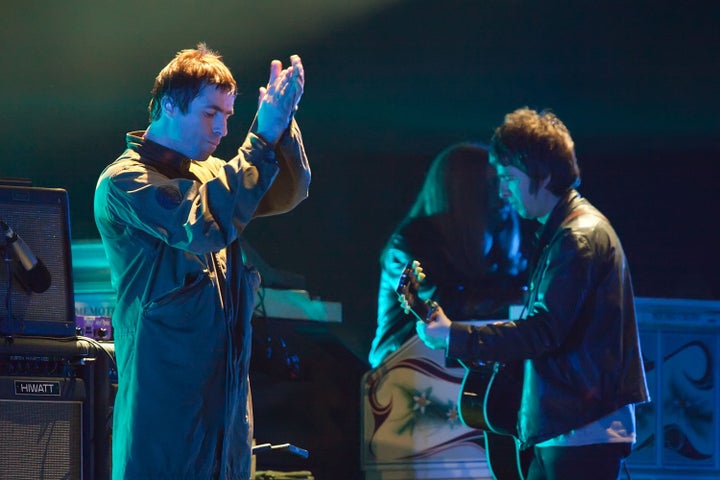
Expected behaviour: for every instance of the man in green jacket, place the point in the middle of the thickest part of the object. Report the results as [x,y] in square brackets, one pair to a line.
[170,215]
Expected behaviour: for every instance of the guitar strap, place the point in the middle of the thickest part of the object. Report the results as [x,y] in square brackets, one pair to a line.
[578,212]
[572,215]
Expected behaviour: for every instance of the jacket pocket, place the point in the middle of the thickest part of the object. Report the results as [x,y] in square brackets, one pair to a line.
[189,307]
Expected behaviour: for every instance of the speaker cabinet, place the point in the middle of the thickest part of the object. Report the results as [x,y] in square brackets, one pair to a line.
[54,409]
[40,216]
[41,420]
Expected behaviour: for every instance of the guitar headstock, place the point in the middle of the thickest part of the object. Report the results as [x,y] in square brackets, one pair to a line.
[408,287]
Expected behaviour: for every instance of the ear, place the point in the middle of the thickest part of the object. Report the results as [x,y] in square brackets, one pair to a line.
[168,106]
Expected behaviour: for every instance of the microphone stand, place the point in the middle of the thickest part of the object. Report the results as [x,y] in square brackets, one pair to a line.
[264,447]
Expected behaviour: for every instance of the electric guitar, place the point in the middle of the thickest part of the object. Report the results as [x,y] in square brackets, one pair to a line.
[489,397]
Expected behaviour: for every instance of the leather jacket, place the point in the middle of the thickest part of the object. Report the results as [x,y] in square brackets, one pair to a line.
[578,336]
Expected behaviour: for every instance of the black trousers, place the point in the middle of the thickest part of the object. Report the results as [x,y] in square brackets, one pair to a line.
[602,461]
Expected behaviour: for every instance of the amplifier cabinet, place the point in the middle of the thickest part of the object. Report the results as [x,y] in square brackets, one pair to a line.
[41,217]
[54,409]
[41,420]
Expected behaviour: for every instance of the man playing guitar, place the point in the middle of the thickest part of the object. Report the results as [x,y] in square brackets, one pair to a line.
[577,340]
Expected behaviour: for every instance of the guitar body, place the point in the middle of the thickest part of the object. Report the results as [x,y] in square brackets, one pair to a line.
[471,402]
[505,460]
[490,397]
[490,400]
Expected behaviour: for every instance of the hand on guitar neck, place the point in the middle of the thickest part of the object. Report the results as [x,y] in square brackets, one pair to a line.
[433,326]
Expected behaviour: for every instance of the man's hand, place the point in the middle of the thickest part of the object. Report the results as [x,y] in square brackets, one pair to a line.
[436,331]
[278,100]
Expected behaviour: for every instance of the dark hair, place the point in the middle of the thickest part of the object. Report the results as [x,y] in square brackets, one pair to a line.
[458,196]
[538,144]
[455,182]
[182,79]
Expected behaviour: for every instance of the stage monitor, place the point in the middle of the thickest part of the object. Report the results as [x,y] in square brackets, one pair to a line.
[41,304]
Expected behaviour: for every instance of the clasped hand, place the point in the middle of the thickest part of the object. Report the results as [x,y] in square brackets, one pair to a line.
[278,100]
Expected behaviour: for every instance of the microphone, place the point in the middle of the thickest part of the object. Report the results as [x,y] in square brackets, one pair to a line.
[35,274]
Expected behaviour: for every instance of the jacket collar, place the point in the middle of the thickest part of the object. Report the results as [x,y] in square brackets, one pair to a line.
[564,207]
[169,162]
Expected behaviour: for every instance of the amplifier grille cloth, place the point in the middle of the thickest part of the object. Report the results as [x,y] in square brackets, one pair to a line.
[40,440]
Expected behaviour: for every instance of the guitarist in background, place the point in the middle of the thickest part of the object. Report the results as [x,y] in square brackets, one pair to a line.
[578,336]
[471,241]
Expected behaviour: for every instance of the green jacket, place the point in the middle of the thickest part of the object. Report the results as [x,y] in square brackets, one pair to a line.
[185,298]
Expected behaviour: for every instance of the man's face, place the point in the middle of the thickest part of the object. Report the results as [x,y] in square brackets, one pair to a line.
[515,188]
[197,133]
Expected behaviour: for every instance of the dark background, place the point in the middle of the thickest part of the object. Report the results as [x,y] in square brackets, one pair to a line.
[389,85]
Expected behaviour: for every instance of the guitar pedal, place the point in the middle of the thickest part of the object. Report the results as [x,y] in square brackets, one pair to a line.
[98,328]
